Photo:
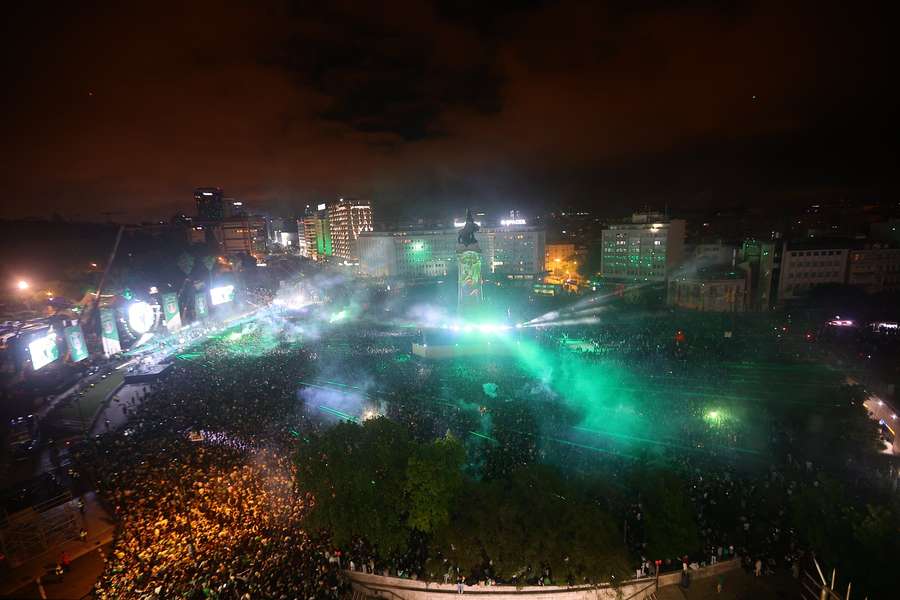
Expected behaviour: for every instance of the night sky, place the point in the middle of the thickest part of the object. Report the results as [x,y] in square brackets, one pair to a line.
[123,108]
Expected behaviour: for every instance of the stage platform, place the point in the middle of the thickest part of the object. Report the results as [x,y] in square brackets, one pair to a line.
[149,374]
[458,350]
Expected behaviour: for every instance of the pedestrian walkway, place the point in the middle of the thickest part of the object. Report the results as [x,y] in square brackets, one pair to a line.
[100,527]
[120,407]
[737,584]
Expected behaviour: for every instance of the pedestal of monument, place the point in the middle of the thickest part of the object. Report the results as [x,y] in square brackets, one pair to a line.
[469,282]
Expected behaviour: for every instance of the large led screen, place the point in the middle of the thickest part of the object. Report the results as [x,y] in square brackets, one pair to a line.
[43,351]
[221,295]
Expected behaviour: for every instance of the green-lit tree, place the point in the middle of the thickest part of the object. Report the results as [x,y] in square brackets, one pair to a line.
[533,520]
[357,476]
[670,526]
[433,480]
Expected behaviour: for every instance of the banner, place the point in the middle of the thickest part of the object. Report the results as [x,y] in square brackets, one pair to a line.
[109,332]
[200,309]
[75,340]
[170,311]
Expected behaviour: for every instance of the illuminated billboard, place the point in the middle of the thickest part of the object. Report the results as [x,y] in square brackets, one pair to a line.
[221,295]
[43,350]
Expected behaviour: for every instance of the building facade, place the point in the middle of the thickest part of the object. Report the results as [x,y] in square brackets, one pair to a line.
[807,264]
[713,291]
[347,219]
[710,254]
[302,241]
[875,268]
[243,235]
[412,254]
[647,248]
[759,258]
[513,252]
[314,234]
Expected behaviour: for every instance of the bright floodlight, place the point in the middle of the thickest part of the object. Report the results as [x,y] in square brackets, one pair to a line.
[140,316]
[22,284]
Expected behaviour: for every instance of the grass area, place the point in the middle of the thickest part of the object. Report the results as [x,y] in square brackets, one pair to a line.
[91,401]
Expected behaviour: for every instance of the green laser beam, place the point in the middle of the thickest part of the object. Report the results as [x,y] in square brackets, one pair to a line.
[338,413]
[481,435]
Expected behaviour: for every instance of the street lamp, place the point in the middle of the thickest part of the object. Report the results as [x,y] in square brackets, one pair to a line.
[23,285]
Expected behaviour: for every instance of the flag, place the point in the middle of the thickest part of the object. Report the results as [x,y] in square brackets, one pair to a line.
[75,340]
[200,309]
[170,311]
[109,332]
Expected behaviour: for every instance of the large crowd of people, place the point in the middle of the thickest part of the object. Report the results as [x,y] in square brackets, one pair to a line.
[201,480]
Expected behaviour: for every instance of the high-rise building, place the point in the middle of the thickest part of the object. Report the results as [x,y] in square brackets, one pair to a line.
[302,240]
[210,203]
[314,234]
[514,252]
[243,235]
[347,219]
[234,208]
[647,248]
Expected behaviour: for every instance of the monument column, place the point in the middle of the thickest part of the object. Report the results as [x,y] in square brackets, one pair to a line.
[469,262]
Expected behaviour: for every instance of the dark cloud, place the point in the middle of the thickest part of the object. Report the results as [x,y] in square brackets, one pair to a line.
[386,76]
[124,108]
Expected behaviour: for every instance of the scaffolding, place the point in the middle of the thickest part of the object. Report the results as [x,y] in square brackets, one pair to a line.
[29,533]
[817,587]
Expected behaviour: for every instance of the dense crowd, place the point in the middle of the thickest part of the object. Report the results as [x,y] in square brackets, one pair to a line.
[202,484]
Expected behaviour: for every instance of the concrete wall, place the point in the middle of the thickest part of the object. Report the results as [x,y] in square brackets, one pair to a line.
[394,588]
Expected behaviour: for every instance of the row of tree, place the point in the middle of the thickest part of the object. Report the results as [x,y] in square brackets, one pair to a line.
[373,482]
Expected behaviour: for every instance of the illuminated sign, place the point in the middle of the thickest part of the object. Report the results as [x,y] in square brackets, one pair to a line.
[43,351]
[221,295]
[508,222]
[459,224]
[140,317]
[322,206]
[207,193]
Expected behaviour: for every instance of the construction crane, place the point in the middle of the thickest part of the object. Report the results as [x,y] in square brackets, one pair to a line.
[90,304]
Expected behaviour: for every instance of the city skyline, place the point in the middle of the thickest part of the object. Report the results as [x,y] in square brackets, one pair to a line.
[541,105]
